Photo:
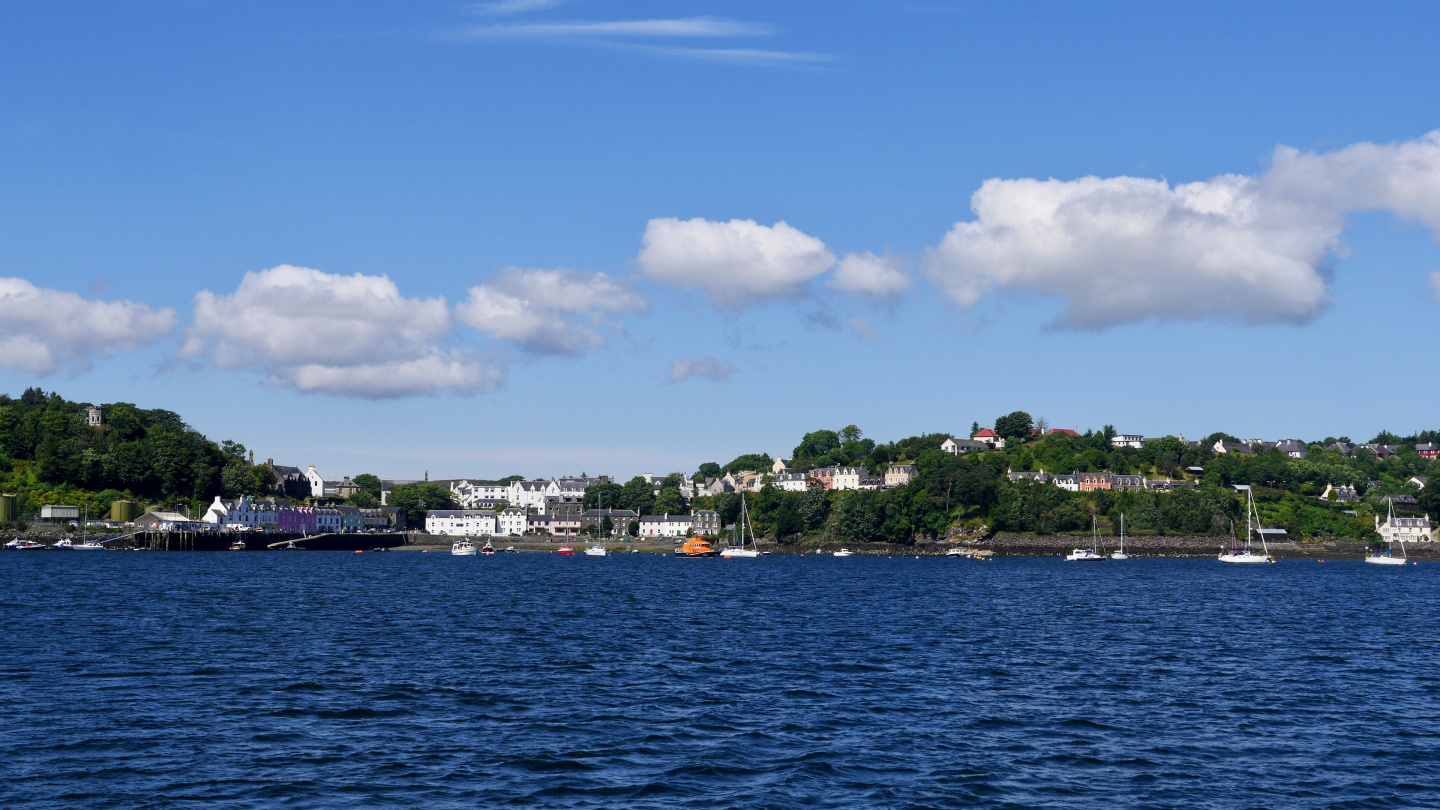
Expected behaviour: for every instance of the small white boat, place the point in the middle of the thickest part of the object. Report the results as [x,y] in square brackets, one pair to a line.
[463,548]
[290,546]
[597,550]
[1121,555]
[31,545]
[1245,555]
[844,552]
[956,552]
[1388,557]
[88,545]
[238,545]
[62,545]
[740,550]
[13,544]
[1088,554]
[509,550]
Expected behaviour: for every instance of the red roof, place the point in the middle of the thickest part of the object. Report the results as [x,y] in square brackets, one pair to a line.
[987,433]
[1066,431]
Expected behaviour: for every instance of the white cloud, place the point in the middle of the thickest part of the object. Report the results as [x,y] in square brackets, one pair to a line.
[689,27]
[736,262]
[707,368]
[881,276]
[516,6]
[529,307]
[354,336]
[1124,249]
[44,330]
[862,331]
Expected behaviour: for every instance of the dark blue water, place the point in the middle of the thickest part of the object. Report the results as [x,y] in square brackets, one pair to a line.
[344,680]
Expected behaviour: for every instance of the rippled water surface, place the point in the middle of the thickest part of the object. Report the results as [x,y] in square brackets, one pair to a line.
[325,679]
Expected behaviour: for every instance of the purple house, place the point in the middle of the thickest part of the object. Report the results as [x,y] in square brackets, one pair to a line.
[296,519]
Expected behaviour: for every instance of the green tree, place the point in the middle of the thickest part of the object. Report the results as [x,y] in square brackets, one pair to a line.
[638,495]
[750,461]
[1016,425]
[633,528]
[611,496]
[709,470]
[417,499]
[817,445]
[607,526]
[669,502]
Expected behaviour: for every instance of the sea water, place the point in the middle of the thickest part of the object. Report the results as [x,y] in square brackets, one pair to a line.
[328,679]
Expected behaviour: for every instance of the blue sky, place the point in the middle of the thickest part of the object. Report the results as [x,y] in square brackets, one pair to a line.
[503,156]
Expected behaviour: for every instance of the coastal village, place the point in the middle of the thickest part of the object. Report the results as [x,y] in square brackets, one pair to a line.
[301,501]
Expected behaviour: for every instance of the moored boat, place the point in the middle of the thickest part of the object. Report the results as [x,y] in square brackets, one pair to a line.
[1245,554]
[566,550]
[844,552]
[1121,555]
[1088,554]
[488,549]
[463,548]
[238,545]
[740,550]
[62,545]
[1387,557]
[697,546]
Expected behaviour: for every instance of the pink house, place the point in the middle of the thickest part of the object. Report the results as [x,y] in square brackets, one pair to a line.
[296,519]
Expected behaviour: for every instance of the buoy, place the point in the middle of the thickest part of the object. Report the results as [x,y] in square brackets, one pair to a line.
[358,551]
[917,556]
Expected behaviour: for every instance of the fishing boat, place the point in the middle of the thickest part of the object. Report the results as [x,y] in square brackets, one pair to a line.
[238,545]
[62,545]
[1121,555]
[1246,554]
[739,549]
[697,546]
[566,550]
[1092,553]
[844,552]
[1387,557]
[957,552]
[488,549]
[463,548]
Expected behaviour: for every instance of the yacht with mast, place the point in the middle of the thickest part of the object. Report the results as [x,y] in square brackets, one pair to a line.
[1121,555]
[1092,553]
[1388,557]
[1246,554]
[741,525]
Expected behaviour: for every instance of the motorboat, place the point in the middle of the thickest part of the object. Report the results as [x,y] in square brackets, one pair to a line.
[13,544]
[488,550]
[1246,554]
[1121,555]
[509,550]
[956,552]
[844,552]
[31,545]
[739,549]
[697,546]
[62,545]
[1388,557]
[290,546]
[1088,554]
[238,545]
[463,548]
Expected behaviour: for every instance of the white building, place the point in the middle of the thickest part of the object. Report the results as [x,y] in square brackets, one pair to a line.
[791,482]
[955,448]
[1405,529]
[665,526]
[59,513]
[317,482]
[781,465]
[468,494]
[1127,440]
[530,494]
[1070,482]
[460,522]
[847,478]
[512,521]
[244,513]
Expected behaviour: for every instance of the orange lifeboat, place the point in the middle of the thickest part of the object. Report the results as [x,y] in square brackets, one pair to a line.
[697,546]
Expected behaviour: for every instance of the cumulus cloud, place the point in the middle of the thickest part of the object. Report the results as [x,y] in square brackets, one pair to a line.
[354,336]
[707,368]
[44,330]
[735,262]
[1124,249]
[882,276]
[529,307]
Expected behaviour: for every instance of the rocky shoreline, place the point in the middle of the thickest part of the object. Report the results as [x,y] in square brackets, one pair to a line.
[1030,545]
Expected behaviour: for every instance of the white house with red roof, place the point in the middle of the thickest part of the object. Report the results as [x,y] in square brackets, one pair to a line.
[989,437]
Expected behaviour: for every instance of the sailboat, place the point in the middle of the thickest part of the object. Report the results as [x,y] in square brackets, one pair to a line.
[1088,554]
[1236,554]
[86,544]
[1388,557]
[740,526]
[1121,555]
